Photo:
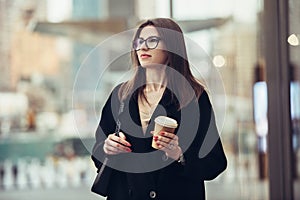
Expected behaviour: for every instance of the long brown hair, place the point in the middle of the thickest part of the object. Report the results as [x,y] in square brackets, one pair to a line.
[172,35]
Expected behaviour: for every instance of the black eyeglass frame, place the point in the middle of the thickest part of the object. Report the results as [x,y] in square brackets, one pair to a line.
[137,47]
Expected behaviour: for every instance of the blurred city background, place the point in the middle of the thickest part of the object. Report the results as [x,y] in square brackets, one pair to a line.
[45,154]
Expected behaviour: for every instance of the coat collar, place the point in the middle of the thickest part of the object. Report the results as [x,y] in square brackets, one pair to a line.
[167,106]
[167,99]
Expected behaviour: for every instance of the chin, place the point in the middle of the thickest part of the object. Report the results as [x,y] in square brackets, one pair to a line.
[152,65]
[148,65]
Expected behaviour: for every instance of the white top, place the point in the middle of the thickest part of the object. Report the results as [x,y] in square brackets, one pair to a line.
[146,110]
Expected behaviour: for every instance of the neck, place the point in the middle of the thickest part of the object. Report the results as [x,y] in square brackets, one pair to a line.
[155,79]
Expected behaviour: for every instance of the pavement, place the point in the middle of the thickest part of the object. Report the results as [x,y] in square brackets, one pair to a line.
[215,191]
[253,190]
[238,182]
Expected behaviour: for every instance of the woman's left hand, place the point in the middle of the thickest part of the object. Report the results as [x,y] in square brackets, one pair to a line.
[168,142]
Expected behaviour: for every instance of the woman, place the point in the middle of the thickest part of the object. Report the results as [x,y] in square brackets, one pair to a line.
[162,85]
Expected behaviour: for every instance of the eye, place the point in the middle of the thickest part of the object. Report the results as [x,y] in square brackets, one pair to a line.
[140,41]
[137,43]
[153,40]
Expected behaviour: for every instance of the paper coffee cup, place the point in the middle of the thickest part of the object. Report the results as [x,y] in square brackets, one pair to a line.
[163,123]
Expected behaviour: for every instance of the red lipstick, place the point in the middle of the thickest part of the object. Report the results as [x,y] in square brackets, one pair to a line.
[145,55]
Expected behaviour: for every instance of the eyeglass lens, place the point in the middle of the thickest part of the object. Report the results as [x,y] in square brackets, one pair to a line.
[151,43]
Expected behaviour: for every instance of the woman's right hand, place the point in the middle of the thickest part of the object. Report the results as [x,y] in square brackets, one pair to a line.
[114,145]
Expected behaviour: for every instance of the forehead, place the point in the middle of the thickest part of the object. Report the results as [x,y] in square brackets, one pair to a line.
[148,31]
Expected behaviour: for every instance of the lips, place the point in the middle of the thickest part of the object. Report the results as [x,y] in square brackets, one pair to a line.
[145,55]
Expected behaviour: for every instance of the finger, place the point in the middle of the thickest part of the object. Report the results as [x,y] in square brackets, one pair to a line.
[113,151]
[119,143]
[163,139]
[122,135]
[119,146]
[169,145]
[167,134]
[162,147]
[120,140]
[175,138]
[161,144]
[110,149]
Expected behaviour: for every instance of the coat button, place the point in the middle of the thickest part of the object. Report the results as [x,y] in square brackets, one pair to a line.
[130,192]
[152,194]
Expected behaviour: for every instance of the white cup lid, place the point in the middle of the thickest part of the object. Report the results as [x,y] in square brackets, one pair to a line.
[166,121]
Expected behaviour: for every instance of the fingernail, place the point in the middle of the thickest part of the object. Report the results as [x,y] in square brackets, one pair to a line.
[162,133]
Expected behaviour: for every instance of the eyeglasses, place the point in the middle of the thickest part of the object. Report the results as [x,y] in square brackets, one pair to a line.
[151,42]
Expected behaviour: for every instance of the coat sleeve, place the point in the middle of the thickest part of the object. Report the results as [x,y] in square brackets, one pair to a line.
[105,127]
[205,158]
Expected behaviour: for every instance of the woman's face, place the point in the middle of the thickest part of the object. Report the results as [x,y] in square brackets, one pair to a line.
[149,56]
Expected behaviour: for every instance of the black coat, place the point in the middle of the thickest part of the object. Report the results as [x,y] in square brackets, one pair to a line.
[129,178]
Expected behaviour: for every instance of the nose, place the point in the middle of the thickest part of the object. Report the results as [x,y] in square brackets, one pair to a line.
[144,46]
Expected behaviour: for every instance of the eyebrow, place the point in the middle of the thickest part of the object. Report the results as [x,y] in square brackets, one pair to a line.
[149,37]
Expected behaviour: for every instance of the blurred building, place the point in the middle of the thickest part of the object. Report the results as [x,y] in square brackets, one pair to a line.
[15,16]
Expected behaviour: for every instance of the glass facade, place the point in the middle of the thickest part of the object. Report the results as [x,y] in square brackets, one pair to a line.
[294,60]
